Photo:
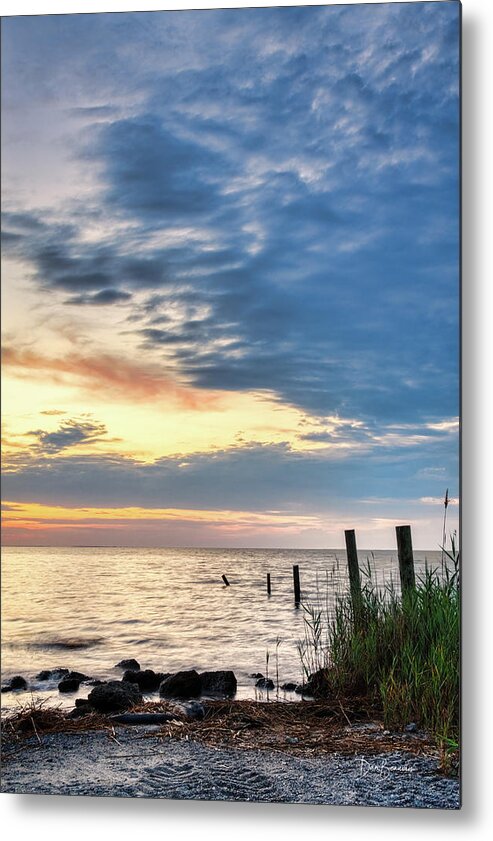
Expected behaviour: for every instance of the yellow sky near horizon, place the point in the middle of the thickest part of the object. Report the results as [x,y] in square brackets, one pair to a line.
[149,426]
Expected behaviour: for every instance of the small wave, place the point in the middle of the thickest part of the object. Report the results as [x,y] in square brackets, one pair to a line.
[68,644]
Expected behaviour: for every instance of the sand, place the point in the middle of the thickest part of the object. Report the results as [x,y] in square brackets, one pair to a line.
[137,764]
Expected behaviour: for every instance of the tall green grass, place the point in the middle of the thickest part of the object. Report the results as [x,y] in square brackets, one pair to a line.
[405,652]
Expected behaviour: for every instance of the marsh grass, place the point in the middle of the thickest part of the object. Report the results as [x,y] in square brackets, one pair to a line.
[403,652]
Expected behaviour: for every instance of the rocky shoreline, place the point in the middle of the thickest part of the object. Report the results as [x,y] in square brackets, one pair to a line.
[119,695]
[189,717]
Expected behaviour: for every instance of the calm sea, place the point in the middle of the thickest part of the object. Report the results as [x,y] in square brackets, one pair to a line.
[87,608]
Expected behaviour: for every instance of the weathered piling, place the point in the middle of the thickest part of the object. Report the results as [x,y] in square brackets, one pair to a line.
[225,580]
[353,570]
[406,558]
[296,583]
[268,584]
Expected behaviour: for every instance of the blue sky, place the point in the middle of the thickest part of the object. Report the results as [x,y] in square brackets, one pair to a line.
[252,214]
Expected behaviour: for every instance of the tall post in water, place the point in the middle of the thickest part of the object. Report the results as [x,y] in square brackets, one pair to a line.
[268,584]
[296,583]
[406,558]
[353,569]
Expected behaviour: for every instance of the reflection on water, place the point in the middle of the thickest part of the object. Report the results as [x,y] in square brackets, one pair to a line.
[87,608]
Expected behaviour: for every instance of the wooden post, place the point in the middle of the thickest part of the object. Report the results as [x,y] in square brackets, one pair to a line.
[296,582]
[225,580]
[268,584]
[353,569]
[406,559]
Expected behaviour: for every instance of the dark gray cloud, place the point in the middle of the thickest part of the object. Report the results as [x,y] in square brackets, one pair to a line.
[69,434]
[101,298]
[151,171]
[250,477]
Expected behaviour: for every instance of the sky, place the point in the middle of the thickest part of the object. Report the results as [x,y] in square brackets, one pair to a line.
[230,276]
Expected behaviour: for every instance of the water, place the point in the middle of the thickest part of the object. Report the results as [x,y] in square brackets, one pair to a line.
[87,608]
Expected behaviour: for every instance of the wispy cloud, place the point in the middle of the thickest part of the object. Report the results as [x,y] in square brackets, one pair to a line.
[120,377]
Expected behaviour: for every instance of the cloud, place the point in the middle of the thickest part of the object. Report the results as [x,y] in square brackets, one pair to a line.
[120,378]
[69,434]
[275,202]
[246,477]
[438,500]
[152,171]
[102,298]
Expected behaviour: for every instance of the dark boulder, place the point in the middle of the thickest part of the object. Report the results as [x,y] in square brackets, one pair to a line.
[68,684]
[131,664]
[146,680]
[80,676]
[318,684]
[181,685]
[219,683]
[82,702]
[45,674]
[257,675]
[114,696]
[52,674]
[289,687]
[193,710]
[17,682]
[265,683]
[80,712]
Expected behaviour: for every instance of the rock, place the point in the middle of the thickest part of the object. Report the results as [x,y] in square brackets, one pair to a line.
[220,682]
[289,687]
[192,710]
[265,683]
[79,712]
[257,675]
[131,664]
[146,680]
[292,740]
[69,684]
[80,676]
[411,728]
[82,702]
[52,674]
[114,696]
[16,683]
[181,685]
[317,685]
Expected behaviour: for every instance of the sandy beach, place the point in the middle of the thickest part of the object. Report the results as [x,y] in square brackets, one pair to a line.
[130,764]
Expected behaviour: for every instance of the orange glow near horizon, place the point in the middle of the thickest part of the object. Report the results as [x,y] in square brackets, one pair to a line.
[147,414]
[36,516]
